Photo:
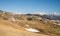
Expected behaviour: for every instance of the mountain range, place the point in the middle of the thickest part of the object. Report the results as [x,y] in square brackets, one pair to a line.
[52,16]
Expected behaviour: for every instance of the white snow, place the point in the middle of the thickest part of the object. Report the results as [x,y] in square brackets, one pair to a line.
[13,19]
[32,30]
[58,24]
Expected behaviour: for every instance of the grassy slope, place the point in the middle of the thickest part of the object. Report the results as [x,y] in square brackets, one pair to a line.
[45,28]
[8,28]
[17,27]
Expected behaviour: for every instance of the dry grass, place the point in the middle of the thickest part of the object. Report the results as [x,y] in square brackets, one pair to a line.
[8,28]
[45,28]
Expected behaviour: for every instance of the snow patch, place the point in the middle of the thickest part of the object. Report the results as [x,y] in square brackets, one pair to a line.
[13,19]
[32,30]
[57,24]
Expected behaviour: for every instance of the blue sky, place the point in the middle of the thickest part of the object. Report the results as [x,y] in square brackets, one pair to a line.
[29,6]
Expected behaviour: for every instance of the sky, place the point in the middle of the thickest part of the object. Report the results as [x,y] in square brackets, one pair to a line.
[30,6]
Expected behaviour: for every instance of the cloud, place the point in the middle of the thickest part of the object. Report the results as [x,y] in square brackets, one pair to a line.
[19,13]
[40,13]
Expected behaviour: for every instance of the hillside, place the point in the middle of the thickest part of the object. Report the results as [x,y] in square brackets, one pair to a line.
[12,29]
[19,24]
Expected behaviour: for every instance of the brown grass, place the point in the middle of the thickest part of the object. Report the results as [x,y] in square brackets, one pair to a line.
[8,28]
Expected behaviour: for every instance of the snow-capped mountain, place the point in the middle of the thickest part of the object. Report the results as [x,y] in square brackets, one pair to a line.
[53,16]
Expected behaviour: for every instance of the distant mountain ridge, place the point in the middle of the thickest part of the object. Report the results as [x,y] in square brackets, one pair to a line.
[52,16]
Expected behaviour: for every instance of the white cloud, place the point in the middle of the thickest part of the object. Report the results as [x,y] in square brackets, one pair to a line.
[20,13]
[41,13]
[55,13]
